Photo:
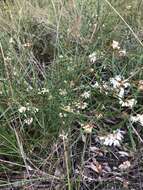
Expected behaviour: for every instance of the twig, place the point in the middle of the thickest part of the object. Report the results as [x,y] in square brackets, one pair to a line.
[22,153]
[64,137]
[11,163]
[135,131]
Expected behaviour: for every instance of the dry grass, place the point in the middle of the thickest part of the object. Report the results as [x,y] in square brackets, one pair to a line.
[45,69]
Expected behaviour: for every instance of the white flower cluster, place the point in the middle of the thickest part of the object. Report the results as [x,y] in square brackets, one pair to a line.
[119,86]
[138,118]
[81,105]
[128,103]
[74,107]
[95,85]
[92,57]
[62,115]
[68,108]
[62,92]
[115,45]
[28,121]
[43,91]
[86,94]
[113,139]
[23,109]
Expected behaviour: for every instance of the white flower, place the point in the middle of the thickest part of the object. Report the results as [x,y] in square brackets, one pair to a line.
[28,121]
[28,44]
[137,118]
[128,103]
[43,91]
[29,88]
[92,57]
[95,85]
[81,105]
[140,85]
[99,115]
[105,87]
[50,97]
[68,108]
[121,93]
[116,81]
[14,71]
[113,139]
[123,153]
[122,53]
[119,85]
[62,92]
[63,135]
[86,94]
[115,45]
[65,81]
[62,115]
[126,84]
[61,56]
[91,70]
[35,109]
[129,7]
[11,40]
[28,108]
[7,59]
[22,109]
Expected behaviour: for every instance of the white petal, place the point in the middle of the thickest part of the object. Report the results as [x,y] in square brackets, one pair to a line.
[116,143]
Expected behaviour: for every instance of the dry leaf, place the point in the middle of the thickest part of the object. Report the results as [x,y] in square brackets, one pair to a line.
[96,150]
[95,166]
[125,165]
